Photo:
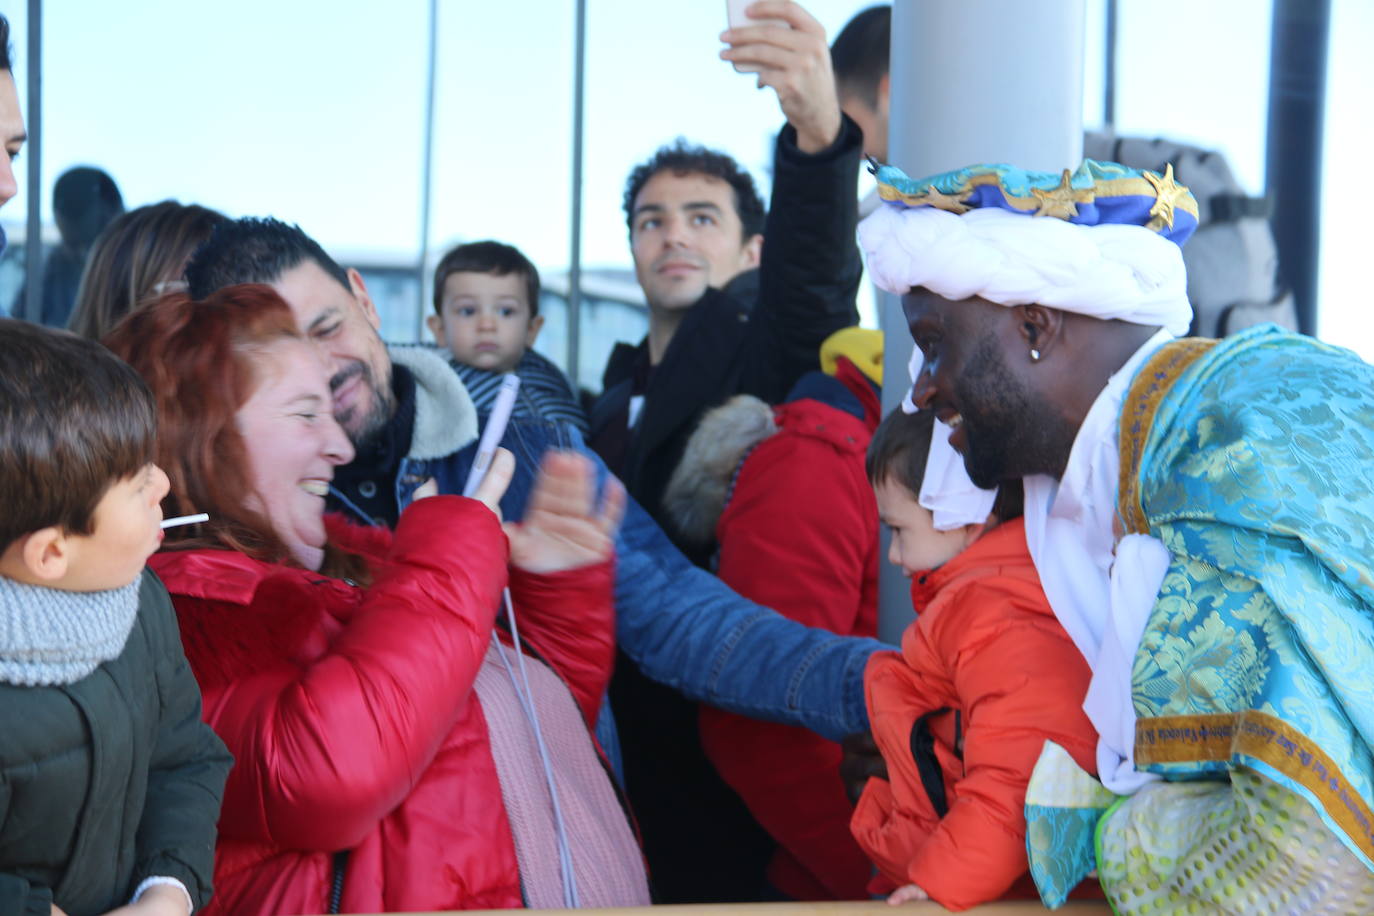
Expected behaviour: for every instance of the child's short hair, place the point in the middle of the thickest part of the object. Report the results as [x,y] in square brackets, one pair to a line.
[899,449]
[487,257]
[74,420]
[898,452]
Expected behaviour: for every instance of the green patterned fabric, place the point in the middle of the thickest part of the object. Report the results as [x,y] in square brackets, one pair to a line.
[1253,462]
[1063,805]
[1244,847]
[1257,474]
[1254,680]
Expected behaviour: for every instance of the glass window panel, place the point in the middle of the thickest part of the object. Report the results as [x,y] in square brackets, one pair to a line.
[1344,315]
[1197,72]
[309,112]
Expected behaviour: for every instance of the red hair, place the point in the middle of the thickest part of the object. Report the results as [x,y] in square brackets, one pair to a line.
[199,360]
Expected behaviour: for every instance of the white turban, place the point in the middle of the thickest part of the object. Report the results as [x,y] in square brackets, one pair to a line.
[1107,271]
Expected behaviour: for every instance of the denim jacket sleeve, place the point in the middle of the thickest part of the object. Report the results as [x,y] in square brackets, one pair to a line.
[686,629]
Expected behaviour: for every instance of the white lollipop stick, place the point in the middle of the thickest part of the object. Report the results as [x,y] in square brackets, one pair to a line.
[185,520]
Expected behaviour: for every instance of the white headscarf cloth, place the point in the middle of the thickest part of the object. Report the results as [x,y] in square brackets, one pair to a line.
[1100,591]
[1107,271]
[953,500]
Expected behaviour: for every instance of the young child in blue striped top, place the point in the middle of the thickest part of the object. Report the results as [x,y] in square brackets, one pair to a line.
[486,314]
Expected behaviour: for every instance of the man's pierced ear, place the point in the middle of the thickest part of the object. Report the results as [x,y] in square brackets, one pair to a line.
[1039,329]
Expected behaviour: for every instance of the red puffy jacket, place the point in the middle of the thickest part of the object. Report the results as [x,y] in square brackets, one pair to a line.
[800,534]
[986,674]
[351,716]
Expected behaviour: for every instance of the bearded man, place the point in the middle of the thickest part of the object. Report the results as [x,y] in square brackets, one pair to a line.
[1201,514]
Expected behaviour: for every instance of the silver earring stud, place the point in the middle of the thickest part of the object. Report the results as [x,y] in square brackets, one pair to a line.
[1035,355]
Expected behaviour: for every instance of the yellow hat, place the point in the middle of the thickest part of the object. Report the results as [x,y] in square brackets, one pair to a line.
[861,346]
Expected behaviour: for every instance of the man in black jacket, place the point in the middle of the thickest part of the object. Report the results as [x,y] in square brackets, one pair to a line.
[728,312]
[738,303]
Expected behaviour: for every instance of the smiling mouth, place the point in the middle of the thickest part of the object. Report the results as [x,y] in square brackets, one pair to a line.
[315,487]
[954,421]
[678,267]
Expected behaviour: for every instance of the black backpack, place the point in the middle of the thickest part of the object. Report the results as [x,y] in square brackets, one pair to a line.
[1232,260]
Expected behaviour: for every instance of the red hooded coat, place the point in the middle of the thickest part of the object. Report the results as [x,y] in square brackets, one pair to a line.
[351,716]
[800,534]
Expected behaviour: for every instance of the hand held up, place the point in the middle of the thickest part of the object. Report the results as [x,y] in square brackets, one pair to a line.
[563,528]
[795,61]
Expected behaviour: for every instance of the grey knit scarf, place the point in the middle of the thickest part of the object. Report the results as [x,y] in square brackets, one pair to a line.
[50,636]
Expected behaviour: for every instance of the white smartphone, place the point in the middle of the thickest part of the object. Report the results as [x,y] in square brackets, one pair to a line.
[491,436]
[735,17]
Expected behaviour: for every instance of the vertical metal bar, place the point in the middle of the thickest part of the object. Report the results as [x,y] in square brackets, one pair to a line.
[1019,106]
[1293,151]
[573,364]
[427,172]
[33,153]
[894,591]
[1109,65]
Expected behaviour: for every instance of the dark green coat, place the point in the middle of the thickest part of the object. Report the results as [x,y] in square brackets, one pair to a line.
[111,779]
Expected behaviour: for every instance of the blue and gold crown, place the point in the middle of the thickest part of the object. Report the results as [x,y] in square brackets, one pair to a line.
[1093,194]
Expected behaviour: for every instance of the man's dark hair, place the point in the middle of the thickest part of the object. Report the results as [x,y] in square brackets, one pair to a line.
[6,52]
[900,448]
[859,55]
[683,158]
[74,420]
[84,201]
[254,250]
[487,257]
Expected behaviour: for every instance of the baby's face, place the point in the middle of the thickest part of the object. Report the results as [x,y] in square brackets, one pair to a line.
[484,320]
[128,529]
[916,545]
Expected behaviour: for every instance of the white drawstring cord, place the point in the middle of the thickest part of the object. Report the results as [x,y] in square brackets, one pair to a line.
[526,697]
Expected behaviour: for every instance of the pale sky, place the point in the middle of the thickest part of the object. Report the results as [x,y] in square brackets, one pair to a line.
[313,111]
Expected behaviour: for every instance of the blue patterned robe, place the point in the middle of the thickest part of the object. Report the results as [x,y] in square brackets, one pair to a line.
[1252,460]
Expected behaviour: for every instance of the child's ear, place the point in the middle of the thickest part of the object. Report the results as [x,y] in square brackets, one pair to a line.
[974,531]
[46,554]
[536,323]
[436,327]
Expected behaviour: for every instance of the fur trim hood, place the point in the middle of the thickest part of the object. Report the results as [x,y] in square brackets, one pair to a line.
[445,418]
[700,486]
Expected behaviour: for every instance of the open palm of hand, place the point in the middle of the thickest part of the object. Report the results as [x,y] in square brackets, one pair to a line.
[563,527]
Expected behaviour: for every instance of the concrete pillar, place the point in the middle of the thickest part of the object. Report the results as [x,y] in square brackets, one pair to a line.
[974,81]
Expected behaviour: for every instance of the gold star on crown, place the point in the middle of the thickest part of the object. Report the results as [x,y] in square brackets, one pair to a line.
[1062,201]
[1167,195]
[954,203]
[930,197]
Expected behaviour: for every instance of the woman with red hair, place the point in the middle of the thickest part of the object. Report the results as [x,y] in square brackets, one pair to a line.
[395,748]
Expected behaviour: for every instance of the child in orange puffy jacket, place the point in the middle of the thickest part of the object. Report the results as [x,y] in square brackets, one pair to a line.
[985,675]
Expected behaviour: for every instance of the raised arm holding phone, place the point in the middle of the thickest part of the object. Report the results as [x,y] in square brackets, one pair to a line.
[786,47]
[740,300]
